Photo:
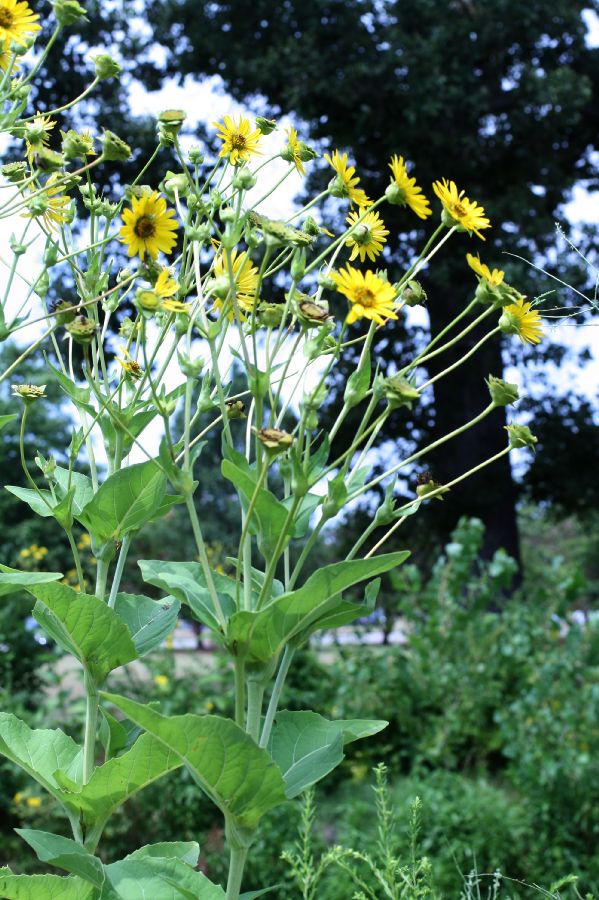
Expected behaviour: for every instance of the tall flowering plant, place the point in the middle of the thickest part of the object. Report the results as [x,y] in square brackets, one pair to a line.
[203,257]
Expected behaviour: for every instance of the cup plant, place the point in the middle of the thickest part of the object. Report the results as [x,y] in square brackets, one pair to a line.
[202,258]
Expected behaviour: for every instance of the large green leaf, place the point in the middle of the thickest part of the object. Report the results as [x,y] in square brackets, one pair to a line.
[64,853]
[152,878]
[41,505]
[39,752]
[343,613]
[118,779]
[43,887]
[261,635]
[239,777]
[269,515]
[127,500]
[186,851]
[306,746]
[85,627]
[186,582]
[12,580]
[84,490]
[149,621]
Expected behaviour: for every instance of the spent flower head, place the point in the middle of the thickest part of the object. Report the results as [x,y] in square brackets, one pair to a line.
[29,393]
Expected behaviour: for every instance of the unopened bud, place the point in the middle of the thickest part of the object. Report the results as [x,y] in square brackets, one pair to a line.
[398,391]
[147,300]
[191,368]
[413,294]
[14,171]
[68,11]
[325,281]
[76,145]
[114,149]
[244,179]
[235,409]
[82,330]
[521,436]
[270,314]
[64,311]
[196,157]
[265,126]
[48,160]
[106,66]
[502,393]
[175,184]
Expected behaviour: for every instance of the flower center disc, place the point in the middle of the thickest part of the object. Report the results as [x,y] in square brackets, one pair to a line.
[144,227]
[459,210]
[238,142]
[6,17]
[365,297]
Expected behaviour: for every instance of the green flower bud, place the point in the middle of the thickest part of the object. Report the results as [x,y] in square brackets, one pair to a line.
[147,300]
[426,485]
[502,393]
[277,233]
[244,179]
[170,122]
[175,184]
[58,310]
[14,172]
[220,287]
[310,226]
[114,149]
[215,198]
[129,329]
[191,368]
[306,153]
[42,285]
[321,345]
[16,246]
[18,90]
[68,11]
[398,391]
[265,126]
[82,330]
[50,254]
[76,145]
[199,233]
[336,497]
[270,314]
[106,66]
[26,42]
[274,439]
[138,191]
[298,264]
[325,281]
[413,294]
[29,393]
[505,295]
[487,293]
[37,206]
[395,195]
[227,214]
[196,157]
[235,409]
[520,436]
[48,160]
[509,323]
[338,188]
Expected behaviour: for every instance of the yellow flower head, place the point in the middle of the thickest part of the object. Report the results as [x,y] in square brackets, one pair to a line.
[369,295]
[519,318]
[57,210]
[412,194]
[130,366]
[166,285]
[5,59]
[16,21]
[149,226]
[161,680]
[367,238]
[245,276]
[37,134]
[494,278]
[34,802]
[294,150]
[464,213]
[239,142]
[348,179]
[175,306]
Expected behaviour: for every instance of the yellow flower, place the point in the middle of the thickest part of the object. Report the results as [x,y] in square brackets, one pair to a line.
[370,296]
[5,60]
[149,226]
[84,541]
[18,797]
[34,802]
[367,238]
[25,553]
[245,275]
[239,142]
[294,150]
[130,366]
[347,178]
[166,285]
[175,306]
[37,134]
[464,213]
[494,278]
[409,192]
[57,211]
[519,318]
[161,680]
[16,20]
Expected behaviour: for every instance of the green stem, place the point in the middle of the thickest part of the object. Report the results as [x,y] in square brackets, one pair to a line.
[118,572]
[197,533]
[255,692]
[76,557]
[91,724]
[273,703]
[239,691]
[26,353]
[236,866]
